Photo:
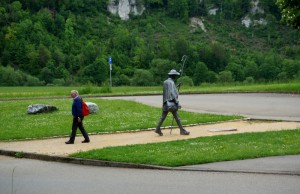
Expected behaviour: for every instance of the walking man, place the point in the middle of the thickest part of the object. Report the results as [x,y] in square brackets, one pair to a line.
[77,118]
[170,100]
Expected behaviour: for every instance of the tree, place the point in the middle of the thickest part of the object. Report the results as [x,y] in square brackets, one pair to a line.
[120,59]
[251,69]
[197,8]
[24,29]
[90,52]
[153,3]
[268,71]
[121,80]
[179,9]
[122,41]
[69,34]
[15,12]
[200,73]
[142,77]
[181,47]
[290,10]
[3,15]
[236,70]
[215,56]
[33,61]
[58,56]
[160,68]
[11,77]
[139,53]
[225,77]
[46,19]
[186,81]
[44,55]
[164,48]
[47,75]
[212,77]
[291,68]
[96,72]
[61,72]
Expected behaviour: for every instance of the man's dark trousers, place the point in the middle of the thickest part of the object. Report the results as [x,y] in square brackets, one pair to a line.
[81,128]
[163,117]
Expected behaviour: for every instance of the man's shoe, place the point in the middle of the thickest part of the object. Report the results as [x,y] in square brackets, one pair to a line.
[86,141]
[158,131]
[184,132]
[69,142]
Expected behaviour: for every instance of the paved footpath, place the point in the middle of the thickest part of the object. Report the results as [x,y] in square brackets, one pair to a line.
[57,146]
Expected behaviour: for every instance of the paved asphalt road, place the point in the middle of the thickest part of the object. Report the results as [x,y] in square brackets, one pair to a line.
[33,176]
[40,177]
[253,105]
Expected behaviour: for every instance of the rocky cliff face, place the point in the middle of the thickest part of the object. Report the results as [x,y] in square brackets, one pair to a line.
[123,8]
[255,9]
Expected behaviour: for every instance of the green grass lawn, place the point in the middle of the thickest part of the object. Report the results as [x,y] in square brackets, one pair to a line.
[56,91]
[202,150]
[61,91]
[113,115]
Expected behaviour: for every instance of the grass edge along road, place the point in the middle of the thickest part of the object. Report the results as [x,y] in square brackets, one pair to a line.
[90,90]
[202,150]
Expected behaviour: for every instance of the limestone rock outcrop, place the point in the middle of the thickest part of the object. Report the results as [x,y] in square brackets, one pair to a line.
[123,8]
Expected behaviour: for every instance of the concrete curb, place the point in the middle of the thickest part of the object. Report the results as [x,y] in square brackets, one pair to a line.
[64,159]
[92,162]
[289,173]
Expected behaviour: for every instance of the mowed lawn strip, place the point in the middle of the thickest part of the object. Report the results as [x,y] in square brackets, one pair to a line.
[91,90]
[113,115]
[202,150]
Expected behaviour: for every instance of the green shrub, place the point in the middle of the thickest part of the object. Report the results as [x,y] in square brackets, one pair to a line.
[186,81]
[249,80]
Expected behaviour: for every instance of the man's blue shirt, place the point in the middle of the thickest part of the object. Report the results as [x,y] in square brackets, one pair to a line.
[77,107]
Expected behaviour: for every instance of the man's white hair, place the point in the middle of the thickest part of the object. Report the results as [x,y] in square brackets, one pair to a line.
[75,92]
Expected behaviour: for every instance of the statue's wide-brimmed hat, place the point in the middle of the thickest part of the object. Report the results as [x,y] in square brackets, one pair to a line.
[173,72]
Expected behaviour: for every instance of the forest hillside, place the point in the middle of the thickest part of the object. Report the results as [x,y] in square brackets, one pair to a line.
[68,42]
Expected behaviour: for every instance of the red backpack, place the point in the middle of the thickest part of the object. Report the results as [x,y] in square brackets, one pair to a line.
[85,109]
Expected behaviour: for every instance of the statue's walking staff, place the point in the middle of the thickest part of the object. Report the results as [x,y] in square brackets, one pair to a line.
[183,59]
